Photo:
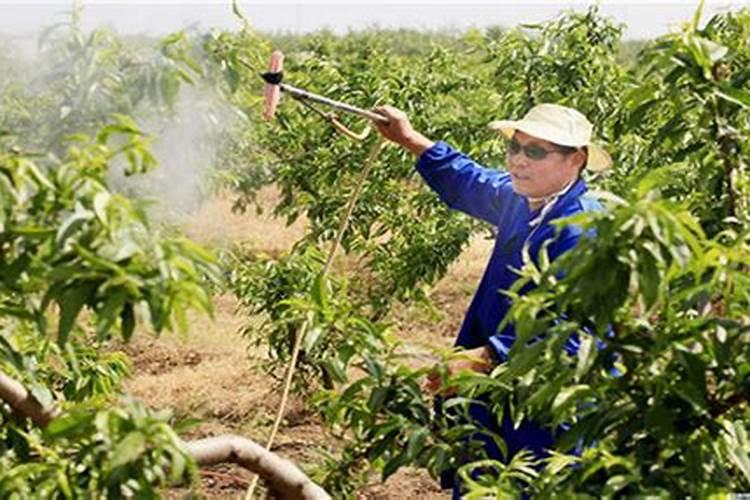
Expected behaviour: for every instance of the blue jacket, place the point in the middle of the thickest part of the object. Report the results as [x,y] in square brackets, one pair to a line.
[488,195]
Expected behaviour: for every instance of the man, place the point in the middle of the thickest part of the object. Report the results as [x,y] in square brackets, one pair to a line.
[547,152]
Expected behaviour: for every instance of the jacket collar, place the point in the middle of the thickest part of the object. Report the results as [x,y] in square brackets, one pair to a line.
[558,203]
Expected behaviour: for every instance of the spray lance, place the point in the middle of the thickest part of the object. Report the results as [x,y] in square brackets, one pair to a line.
[272,95]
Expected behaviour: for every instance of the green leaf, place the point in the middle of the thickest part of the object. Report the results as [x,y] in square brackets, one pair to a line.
[736,443]
[319,293]
[128,450]
[522,361]
[127,318]
[64,484]
[334,369]
[695,25]
[649,279]
[712,51]
[416,443]
[71,301]
[109,311]
[615,484]
[70,425]
[394,464]
[179,465]
[311,338]
[70,225]
[101,201]
[586,356]
[657,178]
[377,398]
[570,396]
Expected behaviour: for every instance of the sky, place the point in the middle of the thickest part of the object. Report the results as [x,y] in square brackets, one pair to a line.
[644,19]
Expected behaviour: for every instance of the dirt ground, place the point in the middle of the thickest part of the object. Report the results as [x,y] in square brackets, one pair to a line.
[208,373]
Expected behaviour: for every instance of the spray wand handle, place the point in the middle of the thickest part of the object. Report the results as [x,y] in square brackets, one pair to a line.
[342,106]
[274,78]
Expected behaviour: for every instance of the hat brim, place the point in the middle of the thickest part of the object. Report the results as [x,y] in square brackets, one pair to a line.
[598,158]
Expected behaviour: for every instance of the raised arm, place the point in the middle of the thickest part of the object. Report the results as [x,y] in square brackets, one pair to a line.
[459,181]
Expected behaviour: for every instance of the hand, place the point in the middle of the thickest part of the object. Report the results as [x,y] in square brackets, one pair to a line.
[399,130]
[479,360]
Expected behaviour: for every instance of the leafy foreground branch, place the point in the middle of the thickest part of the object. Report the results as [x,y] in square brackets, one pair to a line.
[282,476]
[84,261]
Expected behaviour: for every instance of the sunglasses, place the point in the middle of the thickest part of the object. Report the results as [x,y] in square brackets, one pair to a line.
[534,151]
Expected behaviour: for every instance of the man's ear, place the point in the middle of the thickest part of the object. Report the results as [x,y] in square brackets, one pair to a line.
[580,157]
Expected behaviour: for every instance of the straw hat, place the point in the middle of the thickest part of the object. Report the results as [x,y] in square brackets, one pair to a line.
[561,125]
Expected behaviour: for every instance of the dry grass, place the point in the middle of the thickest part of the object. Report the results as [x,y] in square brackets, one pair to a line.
[208,373]
[216,224]
[204,374]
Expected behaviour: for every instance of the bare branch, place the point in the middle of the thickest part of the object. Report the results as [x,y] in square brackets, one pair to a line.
[283,476]
[23,403]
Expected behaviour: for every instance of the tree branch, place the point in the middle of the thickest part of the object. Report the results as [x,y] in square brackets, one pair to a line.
[23,403]
[283,476]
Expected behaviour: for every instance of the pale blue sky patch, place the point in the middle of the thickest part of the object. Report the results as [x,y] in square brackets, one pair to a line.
[643,18]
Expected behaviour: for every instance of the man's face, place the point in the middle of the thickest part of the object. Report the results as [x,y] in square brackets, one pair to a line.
[540,177]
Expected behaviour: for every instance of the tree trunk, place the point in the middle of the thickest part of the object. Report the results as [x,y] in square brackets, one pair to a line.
[283,476]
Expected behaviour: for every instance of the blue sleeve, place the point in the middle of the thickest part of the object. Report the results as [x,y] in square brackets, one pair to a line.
[463,184]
